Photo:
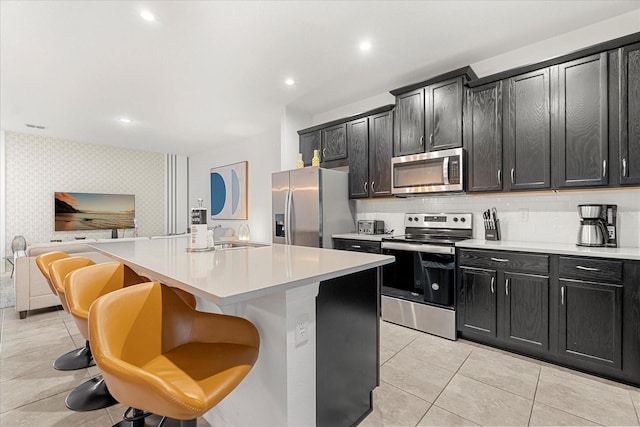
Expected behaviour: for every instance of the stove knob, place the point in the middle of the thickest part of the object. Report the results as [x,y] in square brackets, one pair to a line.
[462,219]
[455,219]
[410,219]
[415,219]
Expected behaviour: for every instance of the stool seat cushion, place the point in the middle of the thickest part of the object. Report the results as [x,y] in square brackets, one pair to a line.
[43,261]
[158,354]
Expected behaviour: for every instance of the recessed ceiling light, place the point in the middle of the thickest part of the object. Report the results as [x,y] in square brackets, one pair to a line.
[290,82]
[125,120]
[365,46]
[147,16]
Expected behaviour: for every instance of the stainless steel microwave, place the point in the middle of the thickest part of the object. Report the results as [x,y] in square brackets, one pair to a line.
[433,172]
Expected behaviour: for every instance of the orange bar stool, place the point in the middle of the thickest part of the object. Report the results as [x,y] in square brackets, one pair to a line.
[82,286]
[159,355]
[75,359]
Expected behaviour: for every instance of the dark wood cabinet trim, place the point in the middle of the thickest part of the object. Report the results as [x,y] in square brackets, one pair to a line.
[347,119]
[464,71]
[595,49]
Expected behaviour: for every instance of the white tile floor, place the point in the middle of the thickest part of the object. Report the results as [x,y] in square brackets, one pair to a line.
[425,381]
[429,381]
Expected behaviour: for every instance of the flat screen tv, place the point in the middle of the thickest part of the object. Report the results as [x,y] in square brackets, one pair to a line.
[92,211]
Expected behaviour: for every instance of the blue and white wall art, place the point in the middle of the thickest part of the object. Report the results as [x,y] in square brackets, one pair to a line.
[229,191]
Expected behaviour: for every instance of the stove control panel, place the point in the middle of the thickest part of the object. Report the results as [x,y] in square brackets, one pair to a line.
[441,220]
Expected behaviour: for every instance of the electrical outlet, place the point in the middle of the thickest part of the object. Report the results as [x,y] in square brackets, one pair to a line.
[524,215]
[302,329]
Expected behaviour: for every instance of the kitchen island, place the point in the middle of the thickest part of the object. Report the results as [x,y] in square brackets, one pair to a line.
[317,311]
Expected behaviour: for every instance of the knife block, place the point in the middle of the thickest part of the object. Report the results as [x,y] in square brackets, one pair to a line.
[494,233]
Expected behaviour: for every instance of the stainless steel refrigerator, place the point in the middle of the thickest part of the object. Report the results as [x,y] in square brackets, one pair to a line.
[309,205]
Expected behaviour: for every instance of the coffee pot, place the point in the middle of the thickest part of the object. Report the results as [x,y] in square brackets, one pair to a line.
[597,225]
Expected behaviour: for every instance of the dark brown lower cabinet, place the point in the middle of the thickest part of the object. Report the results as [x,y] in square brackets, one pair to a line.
[526,310]
[575,311]
[590,322]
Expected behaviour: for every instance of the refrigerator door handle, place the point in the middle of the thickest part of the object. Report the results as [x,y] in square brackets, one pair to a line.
[288,219]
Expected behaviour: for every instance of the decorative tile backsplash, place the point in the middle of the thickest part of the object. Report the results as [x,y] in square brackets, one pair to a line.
[535,217]
[37,166]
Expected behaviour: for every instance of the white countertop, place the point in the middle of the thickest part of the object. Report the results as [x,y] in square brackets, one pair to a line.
[357,236]
[551,248]
[234,275]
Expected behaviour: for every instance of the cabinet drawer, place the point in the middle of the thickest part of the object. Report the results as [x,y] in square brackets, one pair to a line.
[357,245]
[592,269]
[505,261]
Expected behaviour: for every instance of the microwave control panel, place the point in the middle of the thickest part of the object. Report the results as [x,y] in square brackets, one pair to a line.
[454,170]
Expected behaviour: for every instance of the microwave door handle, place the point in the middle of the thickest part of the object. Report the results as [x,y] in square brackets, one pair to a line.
[445,171]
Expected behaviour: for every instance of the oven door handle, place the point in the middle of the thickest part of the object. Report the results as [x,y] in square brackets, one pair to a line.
[410,247]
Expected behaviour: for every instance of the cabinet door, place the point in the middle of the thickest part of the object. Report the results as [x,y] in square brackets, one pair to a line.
[358,142]
[409,126]
[629,114]
[526,310]
[334,143]
[476,308]
[583,122]
[380,153]
[483,137]
[590,322]
[309,142]
[528,131]
[443,115]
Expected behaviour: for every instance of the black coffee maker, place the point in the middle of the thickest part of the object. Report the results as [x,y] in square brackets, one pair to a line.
[597,226]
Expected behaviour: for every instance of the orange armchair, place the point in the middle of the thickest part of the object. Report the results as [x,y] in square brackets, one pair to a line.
[159,354]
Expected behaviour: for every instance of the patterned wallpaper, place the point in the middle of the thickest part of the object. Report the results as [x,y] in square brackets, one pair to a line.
[37,166]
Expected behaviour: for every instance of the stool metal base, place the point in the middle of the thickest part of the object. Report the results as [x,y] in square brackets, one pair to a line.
[75,359]
[90,395]
[154,420]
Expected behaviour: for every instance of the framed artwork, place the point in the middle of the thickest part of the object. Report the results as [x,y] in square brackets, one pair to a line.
[229,191]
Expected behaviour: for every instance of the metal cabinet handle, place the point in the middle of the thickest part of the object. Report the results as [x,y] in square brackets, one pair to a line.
[431,139]
[562,295]
[356,246]
[624,166]
[604,168]
[372,184]
[422,141]
[512,175]
[365,187]
[506,287]
[499,176]
[499,259]
[324,153]
[493,280]
[579,267]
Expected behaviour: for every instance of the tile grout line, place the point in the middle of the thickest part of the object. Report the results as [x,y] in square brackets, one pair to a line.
[535,393]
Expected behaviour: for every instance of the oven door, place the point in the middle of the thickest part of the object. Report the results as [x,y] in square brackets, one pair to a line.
[421,273]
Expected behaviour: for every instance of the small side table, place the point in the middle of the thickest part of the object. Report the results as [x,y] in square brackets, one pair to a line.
[9,259]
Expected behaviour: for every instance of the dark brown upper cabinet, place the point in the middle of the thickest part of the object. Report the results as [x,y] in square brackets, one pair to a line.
[582,122]
[380,153]
[483,137]
[443,113]
[629,113]
[358,136]
[308,142]
[527,131]
[370,151]
[429,114]
[409,131]
[334,143]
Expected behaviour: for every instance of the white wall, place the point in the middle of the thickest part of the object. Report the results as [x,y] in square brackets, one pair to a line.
[263,154]
[292,121]
[3,203]
[37,166]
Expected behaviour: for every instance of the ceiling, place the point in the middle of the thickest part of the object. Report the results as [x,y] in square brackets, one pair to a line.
[212,72]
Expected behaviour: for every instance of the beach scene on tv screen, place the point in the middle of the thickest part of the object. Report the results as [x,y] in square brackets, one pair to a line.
[91,211]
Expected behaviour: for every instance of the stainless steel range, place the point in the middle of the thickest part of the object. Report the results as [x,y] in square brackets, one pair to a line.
[418,289]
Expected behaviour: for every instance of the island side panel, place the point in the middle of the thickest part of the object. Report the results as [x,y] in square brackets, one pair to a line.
[280,389]
[348,330]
